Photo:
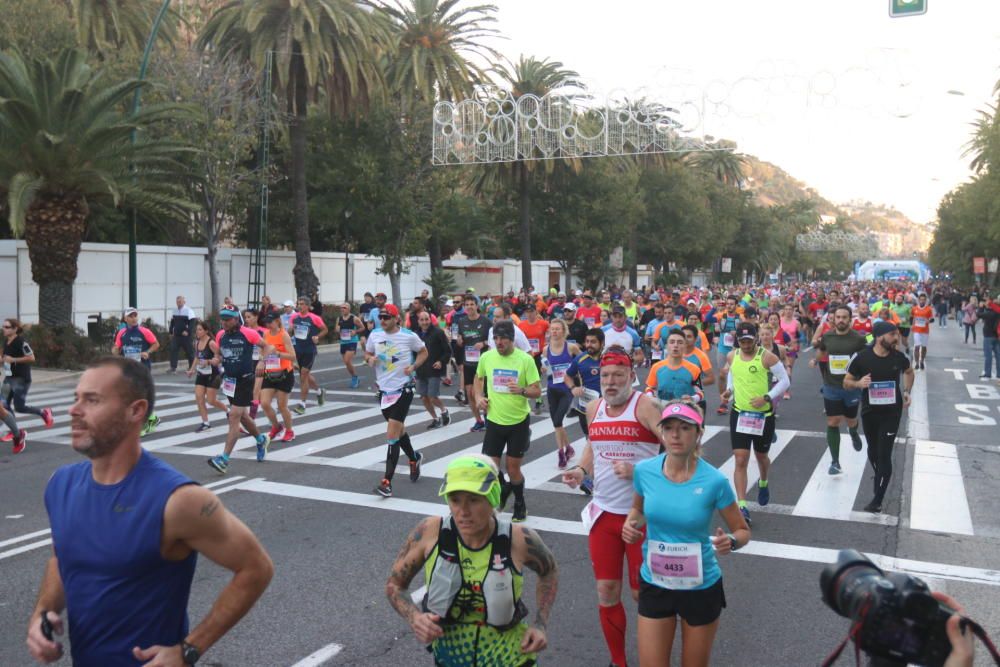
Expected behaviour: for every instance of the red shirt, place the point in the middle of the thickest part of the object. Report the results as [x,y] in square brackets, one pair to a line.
[592,315]
[864,326]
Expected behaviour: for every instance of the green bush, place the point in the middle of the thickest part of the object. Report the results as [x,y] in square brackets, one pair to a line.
[64,347]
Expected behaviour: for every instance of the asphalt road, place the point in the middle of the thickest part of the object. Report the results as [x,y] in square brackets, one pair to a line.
[332,540]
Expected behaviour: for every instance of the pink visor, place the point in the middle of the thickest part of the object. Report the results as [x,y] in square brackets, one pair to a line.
[682,412]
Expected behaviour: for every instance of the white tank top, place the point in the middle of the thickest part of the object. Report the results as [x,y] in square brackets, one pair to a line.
[621,438]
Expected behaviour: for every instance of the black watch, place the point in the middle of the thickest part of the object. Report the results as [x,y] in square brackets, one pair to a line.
[189,654]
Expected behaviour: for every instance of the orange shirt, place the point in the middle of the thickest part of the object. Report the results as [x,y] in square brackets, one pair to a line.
[703,360]
[535,333]
[922,319]
[277,341]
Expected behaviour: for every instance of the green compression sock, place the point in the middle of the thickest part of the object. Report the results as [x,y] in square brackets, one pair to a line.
[833,441]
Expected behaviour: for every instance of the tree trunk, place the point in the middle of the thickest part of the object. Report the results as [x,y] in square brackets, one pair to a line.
[633,253]
[395,270]
[434,252]
[53,230]
[213,279]
[525,224]
[306,282]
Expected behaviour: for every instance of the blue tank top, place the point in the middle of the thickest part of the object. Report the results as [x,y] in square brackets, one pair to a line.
[120,591]
[558,365]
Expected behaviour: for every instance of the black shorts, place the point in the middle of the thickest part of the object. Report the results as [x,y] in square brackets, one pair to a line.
[211,381]
[398,410]
[469,374]
[515,439]
[347,347]
[559,402]
[243,395]
[840,402]
[283,383]
[697,607]
[760,443]
[305,359]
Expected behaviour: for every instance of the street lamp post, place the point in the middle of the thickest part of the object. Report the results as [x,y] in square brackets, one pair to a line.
[133,289]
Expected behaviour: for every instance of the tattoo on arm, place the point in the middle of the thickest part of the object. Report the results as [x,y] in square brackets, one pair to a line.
[403,570]
[208,509]
[543,563]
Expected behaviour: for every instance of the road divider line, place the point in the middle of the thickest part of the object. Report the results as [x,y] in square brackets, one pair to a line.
[23,538]
[829,496]
[24,549]
[321,656]
[937,496]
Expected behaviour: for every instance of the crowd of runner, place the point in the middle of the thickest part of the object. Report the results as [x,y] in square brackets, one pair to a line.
[507,356]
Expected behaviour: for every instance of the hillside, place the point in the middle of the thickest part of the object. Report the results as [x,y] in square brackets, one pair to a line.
[773,186]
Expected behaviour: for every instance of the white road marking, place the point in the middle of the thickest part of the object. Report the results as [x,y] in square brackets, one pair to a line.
[829,496]
[320,657]
[753,471]
[919,427]
[937,497]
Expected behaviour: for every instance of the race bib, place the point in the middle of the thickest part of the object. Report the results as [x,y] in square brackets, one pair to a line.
[203,367]
[229,386]
[559,373]
[675,565]
[750,423]
[838,364]
[533,343]
[454,331]
[589,515]
[301,331]
[882,393]
[255,356]
[920,322]
[728,339]
[133,352]
[589,321]
[272,363]
[657,354]
[504,381]
[346,335]
[6,369]
[389,398]
[584,399]
[286,321]
[472,353]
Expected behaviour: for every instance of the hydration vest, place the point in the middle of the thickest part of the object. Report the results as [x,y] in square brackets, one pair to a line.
[445,581]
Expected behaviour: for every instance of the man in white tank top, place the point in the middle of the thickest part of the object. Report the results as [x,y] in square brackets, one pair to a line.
[624,430]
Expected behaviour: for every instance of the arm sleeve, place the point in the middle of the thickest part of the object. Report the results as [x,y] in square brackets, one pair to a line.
[729,380]
[779,372]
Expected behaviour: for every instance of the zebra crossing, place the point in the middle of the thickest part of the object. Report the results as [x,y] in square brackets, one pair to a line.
[348,432]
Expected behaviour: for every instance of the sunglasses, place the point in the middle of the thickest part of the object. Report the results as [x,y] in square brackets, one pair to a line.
[385,317]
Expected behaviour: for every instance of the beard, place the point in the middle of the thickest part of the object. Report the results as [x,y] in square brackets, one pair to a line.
[619,398]
[100,443]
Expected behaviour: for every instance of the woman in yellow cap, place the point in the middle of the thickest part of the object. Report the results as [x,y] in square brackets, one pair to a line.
[473,560]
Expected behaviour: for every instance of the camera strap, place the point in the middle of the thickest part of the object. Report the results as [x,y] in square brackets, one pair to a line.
[979,633]
[852,635]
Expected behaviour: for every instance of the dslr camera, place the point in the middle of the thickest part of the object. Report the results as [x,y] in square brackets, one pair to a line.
[895,617]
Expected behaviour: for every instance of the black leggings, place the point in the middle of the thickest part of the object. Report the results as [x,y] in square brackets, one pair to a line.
[972,328]
[559,402]
[880,430]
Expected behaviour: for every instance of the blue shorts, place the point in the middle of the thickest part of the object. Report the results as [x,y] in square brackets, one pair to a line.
[840,402]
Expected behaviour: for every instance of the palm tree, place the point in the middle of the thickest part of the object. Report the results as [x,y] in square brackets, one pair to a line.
[530,76]
[723,163]
[67,144]
[435,44]
[984,144]
[104,26]
[329,45]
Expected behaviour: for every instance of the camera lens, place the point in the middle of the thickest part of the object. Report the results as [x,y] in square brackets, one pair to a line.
[845,584]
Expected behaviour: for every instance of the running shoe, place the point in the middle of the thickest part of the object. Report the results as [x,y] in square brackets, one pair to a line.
[321,400]
[722,409]
[445,418]
[875,506]
[254,407]
[20,442]
[746,515]
[570,453]
[478,426]
[288,437]
[150,426]
[355,382]
[275,431]
[788,396]
[220,464]
[415,466]
[47,417]
[460,397]
[8,437]
[763,495]
[834,468]
[446,381]
[562,459]
[856,442]
[384,489]
[203,427]
[537,408]
[145,430]
[520,512]
[435,423]
[299,409]
[263,443]
[984,376]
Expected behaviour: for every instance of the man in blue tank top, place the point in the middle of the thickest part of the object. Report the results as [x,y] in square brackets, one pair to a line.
[126,531]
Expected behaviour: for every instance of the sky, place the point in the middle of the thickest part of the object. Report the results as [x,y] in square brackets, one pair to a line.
[858,105]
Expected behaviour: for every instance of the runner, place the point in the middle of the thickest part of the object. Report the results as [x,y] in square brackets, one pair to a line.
[584,378]
[699,358]
[790,325]
[623,432]
[473,332]
[675,376]
[766,333]
[347,328]
[395,354]
[876,371]
[236,345]
[557,358]
[472,612]
[923,315]
[429,373]
[904,311]
[651,319]
[588,312]
[250,322]
[136,342]
[862,322]
[536,331]
[181,323]
[687,582]
[278,377]
[513,381]
[620,333]
[751,423]
[17,359]
[727,323]
[208,378]
[576,330]
[307,328]
[127,529]
[663,329]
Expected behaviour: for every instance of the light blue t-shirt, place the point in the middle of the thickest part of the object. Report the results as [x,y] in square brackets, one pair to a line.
[678,514]
[372,317]
[651,326]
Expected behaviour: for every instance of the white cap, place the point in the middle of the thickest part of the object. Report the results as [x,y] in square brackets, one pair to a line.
[289,303]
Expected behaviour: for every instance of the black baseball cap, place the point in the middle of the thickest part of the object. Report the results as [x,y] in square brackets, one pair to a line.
[504,329]
[746,330]
[617,309]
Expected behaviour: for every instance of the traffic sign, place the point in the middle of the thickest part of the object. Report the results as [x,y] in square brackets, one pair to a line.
[899,8]
[979,265]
